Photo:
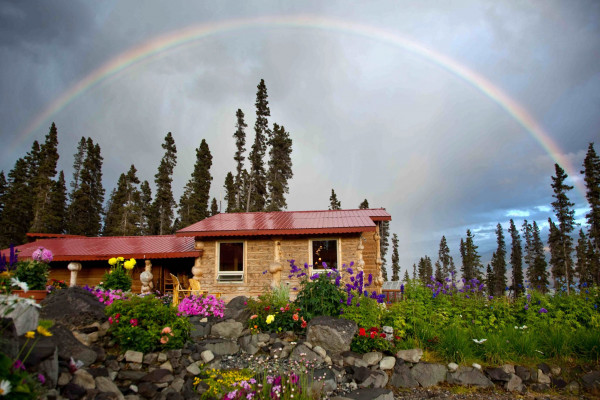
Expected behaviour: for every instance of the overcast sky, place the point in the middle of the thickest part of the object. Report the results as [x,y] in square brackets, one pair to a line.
[369,116]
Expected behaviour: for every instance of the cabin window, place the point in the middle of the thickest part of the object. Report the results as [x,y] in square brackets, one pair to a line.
[230,262]
[324,251]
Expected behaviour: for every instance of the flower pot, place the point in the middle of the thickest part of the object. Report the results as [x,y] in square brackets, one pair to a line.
[37,295]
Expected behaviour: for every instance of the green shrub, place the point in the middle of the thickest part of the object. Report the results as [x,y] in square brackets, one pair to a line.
[34,273]
[364,311]
[141,324]
[320,296]
[117,279]
[455,345]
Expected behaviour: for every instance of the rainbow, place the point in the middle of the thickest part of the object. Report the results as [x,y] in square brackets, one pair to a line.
[188,35]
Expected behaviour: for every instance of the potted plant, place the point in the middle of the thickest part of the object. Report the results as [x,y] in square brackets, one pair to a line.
[119,275]
[35,274]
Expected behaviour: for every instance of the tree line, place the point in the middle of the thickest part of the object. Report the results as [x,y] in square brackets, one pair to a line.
[34,196]
[571,258]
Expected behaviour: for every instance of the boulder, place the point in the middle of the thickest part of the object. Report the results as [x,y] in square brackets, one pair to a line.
[219,347]
[230,329]
[332,334]
[523,372]
[591,381]
[23,314]
[402,378]
[323,381]
[69,347]
[105,385]
[84,379]
[133,356]
[412,356]
[497,374]
[376,379]
[249,344]
[469,376]
[387,362]
[73,307]
[514,384]
[236,309]
[372,357]
[304,354]
[429,374]
[370,394]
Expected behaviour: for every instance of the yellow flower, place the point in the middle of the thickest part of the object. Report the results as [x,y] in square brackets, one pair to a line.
[112,261]
[43,331]
[128,264]
[30,335]
[120,259]
[270,318]
[133,261]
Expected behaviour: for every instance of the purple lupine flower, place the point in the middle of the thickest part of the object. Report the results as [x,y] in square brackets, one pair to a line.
[543,311]
[526,307]
[325,265]
[351,263]
[491,297]
[337,280]
[314,276]
[402,288]
[370,280]
[305,265]
[366,293]
[350,270]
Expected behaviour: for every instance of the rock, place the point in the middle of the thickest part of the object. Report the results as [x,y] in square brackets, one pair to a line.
[523,372]
[194,368]
[249,344]
[542,377]
[23,315]
[497,374]
[323,381]
[558,382]
[387,363]
[539,387]
[207,356]
[105,385]
[591,380]
[376,379]
[361,374]
[469,376]
[429,374]
[48,367]
[476,366]
[370,394]
[177,384]
[349,357]
[320,351]
[402,378]
[73,307]
[158,376]
[161,358]
[220,347]
[73,392]
[452,367]
[167,365]
[303,353]
[134,356]
[555,370]
[230,329]
[573,387]
[332,334]
[147,390]
[236,309]
[514,384]
[69,347]
[412,356]
[150,358]
[84,379]
[508,368]
[10,343]
[134,376]
[372,358]
[545,368]
[64,378]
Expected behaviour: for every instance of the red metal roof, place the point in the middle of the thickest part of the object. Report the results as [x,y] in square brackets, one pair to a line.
[103,248]
[287,223]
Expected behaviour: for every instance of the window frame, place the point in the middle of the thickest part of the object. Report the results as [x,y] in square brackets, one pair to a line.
[219,273]
[338,253]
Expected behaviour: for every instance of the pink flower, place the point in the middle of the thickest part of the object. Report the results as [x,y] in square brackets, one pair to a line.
[167,330]
[133,322]
[110,320]
[164,339]
[295,317]
[254,316]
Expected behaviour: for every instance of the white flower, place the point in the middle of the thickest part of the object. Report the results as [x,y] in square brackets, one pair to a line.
[22,285]
[4,388]
[479,341]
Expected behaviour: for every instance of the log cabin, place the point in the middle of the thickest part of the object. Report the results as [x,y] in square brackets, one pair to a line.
[230,254]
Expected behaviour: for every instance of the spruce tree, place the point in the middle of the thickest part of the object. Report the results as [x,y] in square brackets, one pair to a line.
[425,269]
[162,208]
[537,273]
[124,215]
[55,220]
[334,203]
[471,267]
[230,193]
[85,211]
[499,262]
[3,188]
[444,258]
[18,202]
[438,272]
[516,259]
[406,277]
[452,271]
[395,258]
[594,263]
[257,191]
[193,205]
[563,209]
[146,205]
[280,168]
[240,142]
[591,171]
[214,207]
[414,276]
[384,232]
[582,266]
[363,205]
[42,181]
[490,279]
[529,255]
[557,257]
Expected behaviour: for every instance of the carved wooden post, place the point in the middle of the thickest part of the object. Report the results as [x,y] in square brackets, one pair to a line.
[74,267]
[360,263]
[275,267]
[378,262]
[197,268]
[146,278]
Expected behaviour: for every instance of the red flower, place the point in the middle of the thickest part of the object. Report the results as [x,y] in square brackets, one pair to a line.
[295,317]
[304,324]
[362,332]
[373,334]
[382,335]
[267,308]
[133,322]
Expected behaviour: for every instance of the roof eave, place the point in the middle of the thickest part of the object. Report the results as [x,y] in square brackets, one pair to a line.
[271,232]
[138,256]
